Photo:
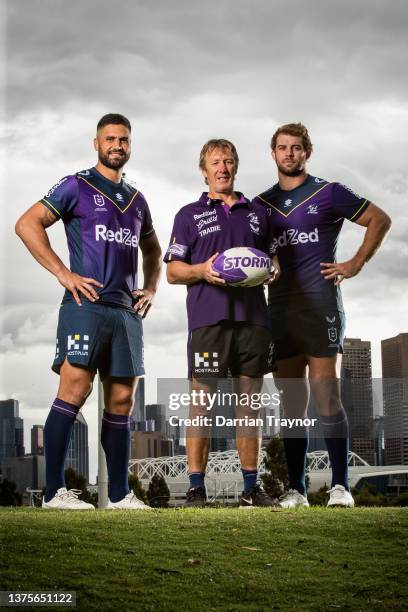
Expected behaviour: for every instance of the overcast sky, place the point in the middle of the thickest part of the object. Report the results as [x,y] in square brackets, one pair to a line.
[183,72]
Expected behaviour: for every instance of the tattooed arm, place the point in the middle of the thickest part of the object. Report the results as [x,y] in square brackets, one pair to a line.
[31,228]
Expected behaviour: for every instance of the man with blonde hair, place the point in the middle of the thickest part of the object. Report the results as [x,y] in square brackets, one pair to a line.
[228,326]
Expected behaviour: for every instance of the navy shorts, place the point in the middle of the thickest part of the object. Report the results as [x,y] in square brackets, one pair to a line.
[318,332]
[239,347]
[98,337]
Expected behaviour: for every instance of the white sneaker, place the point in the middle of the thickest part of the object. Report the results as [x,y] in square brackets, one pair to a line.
[293,499]
[129,502]
[339,496]
[67,500]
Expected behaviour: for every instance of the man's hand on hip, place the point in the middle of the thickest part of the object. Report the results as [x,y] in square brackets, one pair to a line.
[144,301]
[77,284]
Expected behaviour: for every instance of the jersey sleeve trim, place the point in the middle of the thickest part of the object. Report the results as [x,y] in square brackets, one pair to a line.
[50,207]
[147,234]
[360,211]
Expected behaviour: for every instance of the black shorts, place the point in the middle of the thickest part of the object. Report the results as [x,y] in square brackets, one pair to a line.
[239,347]
[311,331]
[98,337]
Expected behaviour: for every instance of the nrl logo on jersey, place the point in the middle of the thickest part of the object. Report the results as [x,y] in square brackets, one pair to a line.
[99,199]
[312,209]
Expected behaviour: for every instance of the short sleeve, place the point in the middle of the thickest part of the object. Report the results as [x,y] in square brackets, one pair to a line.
[346,203]
[147,228]
[179,247]
[62,197]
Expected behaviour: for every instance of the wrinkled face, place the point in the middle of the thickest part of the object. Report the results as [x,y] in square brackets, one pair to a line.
[290,155]
[220,170]
[113,145]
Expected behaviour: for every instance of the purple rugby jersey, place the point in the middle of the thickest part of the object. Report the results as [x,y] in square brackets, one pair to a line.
[206,227]
[104,222]
[307,221]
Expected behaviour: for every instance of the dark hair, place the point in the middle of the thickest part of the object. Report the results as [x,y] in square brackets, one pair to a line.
[113,119]
[217,143]
[293,129]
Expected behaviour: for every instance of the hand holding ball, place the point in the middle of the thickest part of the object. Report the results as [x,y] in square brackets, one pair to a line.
[243,266]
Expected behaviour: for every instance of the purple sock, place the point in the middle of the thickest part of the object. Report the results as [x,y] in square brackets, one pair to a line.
[57,436]
[115,438]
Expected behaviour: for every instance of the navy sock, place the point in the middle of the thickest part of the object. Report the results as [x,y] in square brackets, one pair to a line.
[335,430]
[295,452]
[57,436]
[115,439]
[197,479]
[250,479]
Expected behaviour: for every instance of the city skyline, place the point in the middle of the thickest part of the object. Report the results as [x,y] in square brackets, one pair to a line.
[144,411]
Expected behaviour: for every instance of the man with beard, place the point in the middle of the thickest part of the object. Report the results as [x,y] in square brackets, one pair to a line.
[305,305]
[100,322]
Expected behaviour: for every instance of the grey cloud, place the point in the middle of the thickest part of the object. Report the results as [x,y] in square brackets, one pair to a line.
[151,56]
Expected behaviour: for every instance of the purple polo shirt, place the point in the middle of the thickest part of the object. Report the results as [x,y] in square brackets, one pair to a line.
[104,222]
[206,227]
[307,221]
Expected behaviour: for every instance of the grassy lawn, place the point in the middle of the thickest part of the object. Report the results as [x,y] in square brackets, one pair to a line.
[212,559]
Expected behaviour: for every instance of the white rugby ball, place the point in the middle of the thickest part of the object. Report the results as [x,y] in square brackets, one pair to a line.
[243,266]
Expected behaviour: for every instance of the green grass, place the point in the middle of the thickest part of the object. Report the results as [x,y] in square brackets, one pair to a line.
[311,559]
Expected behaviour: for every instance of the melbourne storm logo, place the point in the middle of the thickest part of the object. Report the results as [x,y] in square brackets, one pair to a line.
[254,223]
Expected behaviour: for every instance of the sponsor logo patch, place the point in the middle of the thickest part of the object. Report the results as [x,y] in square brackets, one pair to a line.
[293,236]
[206,362]
[177,249]
[77,344]
[121,236]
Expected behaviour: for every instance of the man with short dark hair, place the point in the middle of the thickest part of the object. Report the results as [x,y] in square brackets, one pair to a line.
[305,306]
[228,326]
[100,322]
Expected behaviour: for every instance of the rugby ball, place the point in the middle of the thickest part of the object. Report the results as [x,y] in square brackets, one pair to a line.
[243,266]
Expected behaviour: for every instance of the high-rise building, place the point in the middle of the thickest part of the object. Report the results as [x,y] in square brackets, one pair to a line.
[357,396]
[156,413]
[223,437]
[37,440]
[139,410]
[379,443]
[78,450]
[11,430]
[26,472]
[394,354]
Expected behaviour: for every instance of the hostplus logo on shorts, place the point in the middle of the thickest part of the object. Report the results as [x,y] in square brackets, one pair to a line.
[77,344]
[206,363]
